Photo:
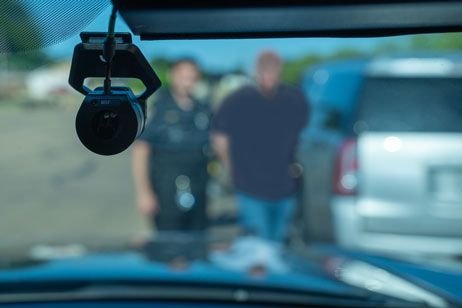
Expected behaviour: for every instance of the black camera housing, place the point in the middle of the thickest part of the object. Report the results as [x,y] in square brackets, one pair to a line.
[107,123]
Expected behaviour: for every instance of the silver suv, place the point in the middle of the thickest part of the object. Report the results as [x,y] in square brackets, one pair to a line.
[383,153]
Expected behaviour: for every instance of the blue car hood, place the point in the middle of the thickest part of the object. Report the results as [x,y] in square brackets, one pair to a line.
[134,266]
[309,273]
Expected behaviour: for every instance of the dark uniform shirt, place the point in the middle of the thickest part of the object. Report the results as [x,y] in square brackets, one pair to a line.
[263,134]
[179,155]
[174,131]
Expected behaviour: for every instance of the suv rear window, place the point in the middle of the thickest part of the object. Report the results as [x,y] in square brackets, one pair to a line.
[412,104]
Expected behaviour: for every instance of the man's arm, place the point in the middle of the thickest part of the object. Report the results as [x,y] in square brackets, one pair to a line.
[220,144]
[146,198]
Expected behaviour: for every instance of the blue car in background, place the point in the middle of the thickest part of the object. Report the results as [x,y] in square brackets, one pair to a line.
[383,169]
[332,89]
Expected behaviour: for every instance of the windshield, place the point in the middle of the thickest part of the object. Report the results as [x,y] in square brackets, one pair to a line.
[327,167]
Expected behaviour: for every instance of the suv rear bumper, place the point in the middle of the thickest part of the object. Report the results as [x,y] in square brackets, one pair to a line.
[349,233]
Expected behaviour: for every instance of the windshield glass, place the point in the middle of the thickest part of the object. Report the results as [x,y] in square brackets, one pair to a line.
[307,165]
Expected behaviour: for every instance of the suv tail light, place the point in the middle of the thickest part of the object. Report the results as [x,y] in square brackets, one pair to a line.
[346,169]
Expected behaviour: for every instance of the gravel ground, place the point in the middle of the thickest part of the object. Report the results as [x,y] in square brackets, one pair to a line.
[53,190]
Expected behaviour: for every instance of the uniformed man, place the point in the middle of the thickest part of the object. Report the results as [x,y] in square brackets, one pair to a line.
[170,158]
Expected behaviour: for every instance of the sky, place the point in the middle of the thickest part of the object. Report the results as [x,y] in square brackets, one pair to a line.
[222,55]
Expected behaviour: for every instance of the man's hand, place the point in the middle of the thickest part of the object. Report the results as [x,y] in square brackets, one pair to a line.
[148,204]
[220,144]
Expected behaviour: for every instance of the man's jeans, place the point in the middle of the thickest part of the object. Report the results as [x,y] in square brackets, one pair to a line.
[267,219]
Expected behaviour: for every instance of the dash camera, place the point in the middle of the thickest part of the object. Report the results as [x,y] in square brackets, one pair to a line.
[108,124]
[110,118]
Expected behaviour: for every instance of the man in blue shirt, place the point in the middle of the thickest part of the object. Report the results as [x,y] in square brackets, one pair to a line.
[255,134]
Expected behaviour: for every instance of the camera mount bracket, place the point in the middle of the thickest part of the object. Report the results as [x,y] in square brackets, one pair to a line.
[128,62]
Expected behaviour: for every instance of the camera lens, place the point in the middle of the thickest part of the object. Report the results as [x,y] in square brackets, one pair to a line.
[105,124]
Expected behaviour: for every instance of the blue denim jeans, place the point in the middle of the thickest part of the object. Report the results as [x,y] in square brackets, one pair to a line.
[267,219]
